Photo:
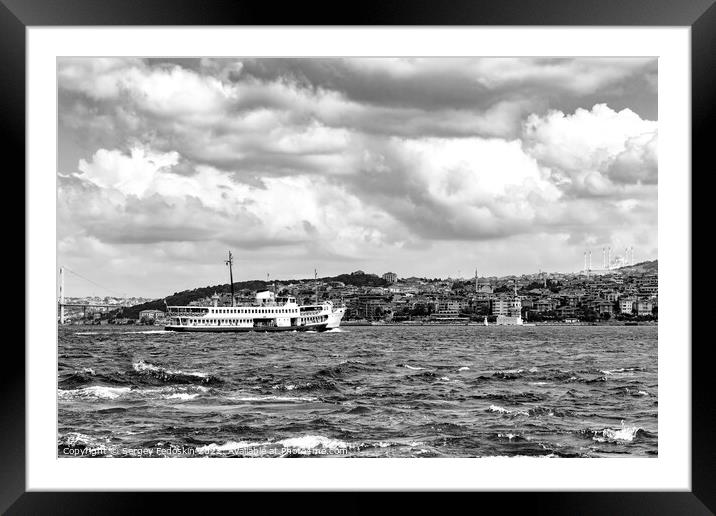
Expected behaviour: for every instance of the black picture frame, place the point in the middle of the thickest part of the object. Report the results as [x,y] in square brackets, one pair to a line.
[700,15]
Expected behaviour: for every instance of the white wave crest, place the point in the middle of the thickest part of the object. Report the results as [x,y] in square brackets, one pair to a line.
[272,398]
[624,371]
[623,434]
[142,366]
[305,442]
[503,410]
[313,441]
[288,387]
[94,391]
[79,439]
[184,392]
[637,393]
[464,368]
[184,396]
[110,393]
[387,444]
[414,368]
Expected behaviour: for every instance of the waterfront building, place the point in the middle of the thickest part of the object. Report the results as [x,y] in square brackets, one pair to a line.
[644,307]
[448,316]
[371,307]
[509,306]
[453,304]
[566,312]
[626,305]
[151,315]
[545,304]
[604,307]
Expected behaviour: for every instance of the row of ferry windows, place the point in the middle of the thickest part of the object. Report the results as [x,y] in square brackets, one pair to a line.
[218,321]
[255,311]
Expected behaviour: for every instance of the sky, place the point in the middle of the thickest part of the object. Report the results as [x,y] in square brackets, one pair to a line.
[429,167]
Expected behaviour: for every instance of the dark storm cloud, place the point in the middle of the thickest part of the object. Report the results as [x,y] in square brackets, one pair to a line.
[462,87]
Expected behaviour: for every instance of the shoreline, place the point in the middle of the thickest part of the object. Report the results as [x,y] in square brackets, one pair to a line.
[560,324]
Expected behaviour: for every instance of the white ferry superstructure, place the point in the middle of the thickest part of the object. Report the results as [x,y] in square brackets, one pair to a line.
[268,313]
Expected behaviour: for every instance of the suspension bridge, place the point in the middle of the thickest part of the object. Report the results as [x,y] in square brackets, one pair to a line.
[89,307]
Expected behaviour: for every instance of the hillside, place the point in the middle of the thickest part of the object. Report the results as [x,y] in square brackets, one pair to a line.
[651,267]
[358,279]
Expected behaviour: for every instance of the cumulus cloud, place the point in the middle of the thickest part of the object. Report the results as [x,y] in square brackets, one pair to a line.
[594,152]
[467,188]
[138,198]
[352,161]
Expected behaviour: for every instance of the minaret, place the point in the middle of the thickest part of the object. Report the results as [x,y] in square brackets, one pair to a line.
[62,295]
[585,261]
[476,284]
[315,281]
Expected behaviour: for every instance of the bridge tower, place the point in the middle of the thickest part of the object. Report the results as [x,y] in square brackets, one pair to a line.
[62,295]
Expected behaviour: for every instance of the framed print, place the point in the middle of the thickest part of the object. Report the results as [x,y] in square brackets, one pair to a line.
[435,250]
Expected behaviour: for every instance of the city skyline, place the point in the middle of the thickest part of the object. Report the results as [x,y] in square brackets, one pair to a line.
[99,291]
[424,167]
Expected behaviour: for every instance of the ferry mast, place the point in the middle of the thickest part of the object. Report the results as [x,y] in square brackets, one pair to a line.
[230,262]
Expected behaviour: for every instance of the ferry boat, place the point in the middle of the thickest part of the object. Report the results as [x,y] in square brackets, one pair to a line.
[269,312]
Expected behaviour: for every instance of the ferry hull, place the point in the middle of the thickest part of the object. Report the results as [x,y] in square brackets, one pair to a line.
[239,329]
[334,318]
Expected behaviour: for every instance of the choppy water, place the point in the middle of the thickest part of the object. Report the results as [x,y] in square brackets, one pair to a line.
[394,391]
